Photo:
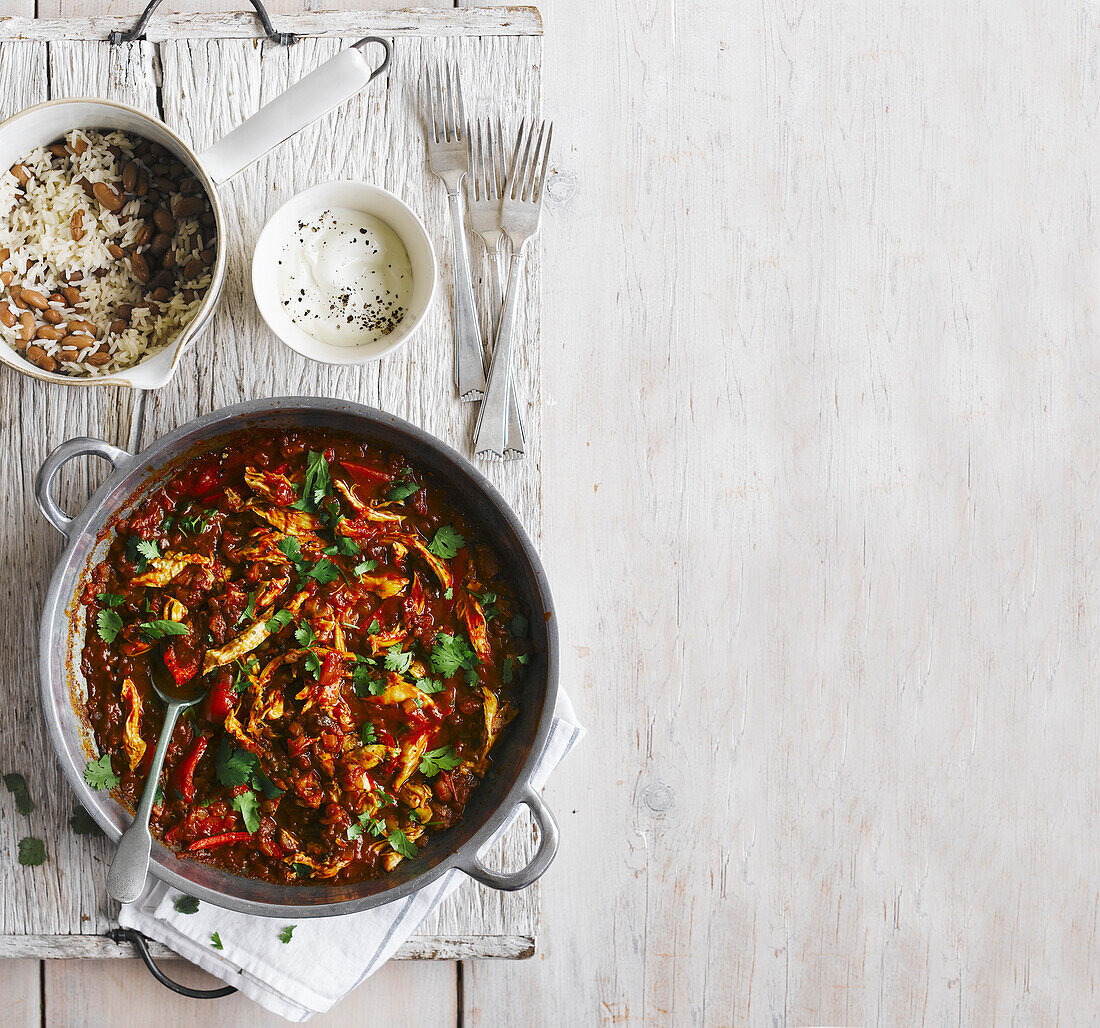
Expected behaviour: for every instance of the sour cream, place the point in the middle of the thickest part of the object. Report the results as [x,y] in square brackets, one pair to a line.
[344,277]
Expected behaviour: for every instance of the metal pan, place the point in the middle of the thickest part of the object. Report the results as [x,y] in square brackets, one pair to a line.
[505,788]
[320,91]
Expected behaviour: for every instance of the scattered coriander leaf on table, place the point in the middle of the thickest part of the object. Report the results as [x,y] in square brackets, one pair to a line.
[216,941]
[32,852]
[17,786]
[82,824]
[286,933]
[186,905]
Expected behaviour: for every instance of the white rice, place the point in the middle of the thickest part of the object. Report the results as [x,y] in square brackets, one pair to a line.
[36,230]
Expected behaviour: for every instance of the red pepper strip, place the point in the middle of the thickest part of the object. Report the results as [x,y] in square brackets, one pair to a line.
[363,473]
[219,840]
[182,670]
[183,778]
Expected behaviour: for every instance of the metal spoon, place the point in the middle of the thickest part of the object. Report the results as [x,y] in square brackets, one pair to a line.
[126,879]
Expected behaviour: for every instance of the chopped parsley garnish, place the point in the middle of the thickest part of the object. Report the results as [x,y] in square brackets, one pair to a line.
[286,934]
[377,686]
[367,734]
[304,636]
[109,599]
[279,620]
[234,766]
[324,571]
[375,825]
[450,593]
[400,842]
[313,664]
[248,807]
[17,786]
[317,484]
[429,685]
[403,491]
[344,546]
[434,761]
[82,824]
[291,547]
[153,630]
[108,624]
[450,653]
[32,852]
[396,660]
[196,522]
[244,669]
[99,774]
[302,870]
[140,551]
[447,543]
[366,566]
[187,905]
[216,941]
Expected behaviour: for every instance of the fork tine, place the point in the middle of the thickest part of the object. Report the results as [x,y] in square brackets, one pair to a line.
[437,105]
[519,164]
[429,100]
[479,161]
[448,114]
[545,165]
[491,190]
[500,173]
[460,107]
[531,165]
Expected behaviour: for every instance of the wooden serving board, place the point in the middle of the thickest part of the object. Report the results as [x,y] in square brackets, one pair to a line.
[203,74]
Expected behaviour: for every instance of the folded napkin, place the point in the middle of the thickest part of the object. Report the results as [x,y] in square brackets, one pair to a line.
[342,951]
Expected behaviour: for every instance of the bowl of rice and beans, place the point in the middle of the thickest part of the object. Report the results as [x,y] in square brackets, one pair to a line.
[107,249]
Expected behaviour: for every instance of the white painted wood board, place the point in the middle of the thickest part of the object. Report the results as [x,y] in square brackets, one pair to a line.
[203,86]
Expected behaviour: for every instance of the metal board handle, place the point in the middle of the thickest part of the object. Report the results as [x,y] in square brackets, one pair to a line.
[142,946]
[138,31]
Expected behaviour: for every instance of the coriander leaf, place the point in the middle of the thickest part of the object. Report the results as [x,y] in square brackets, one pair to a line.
[286,933]
[304,636]
[403,491]
[187,905]
[374,627]
[450,593]
[506,673]
[345,546]
[434,761]
[302,870]
[517,627]
[291,547]
[110,599]
[400,842]
[360,678]
[317,484]
[249,808]
[234,766]
[377,686]
[154,630]
[82,824]
[270,789]
[397,661]
[353,832]
[367,734]
[99,774]
[429,685]
[148,549]
[195,523]
[324,571]
[17,786]
[365,566]
[216,941]
[451,653]
[32,852]
[279,620]
[108,625]
[447,543]
[249,612]
[313,664]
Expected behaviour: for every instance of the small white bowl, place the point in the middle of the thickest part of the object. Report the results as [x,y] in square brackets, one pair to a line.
[311,202]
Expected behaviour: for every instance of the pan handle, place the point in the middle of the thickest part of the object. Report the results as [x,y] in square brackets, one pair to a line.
[534,869]
[141,944]
[328,86]
[57,458]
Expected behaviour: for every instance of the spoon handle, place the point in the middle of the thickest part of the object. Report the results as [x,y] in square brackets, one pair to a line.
[126,879]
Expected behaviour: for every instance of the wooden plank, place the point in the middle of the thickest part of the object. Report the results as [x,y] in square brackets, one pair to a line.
[421,21]
[122,992]
[21,990]
[132,8]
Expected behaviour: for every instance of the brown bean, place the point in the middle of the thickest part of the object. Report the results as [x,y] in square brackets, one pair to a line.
[164,277]
[78,342]
[99,358]
[164,221]
[142,185]
[67,354]
[194,268]
[116,251]
[79,146]
[189,295]
[108,196]
[74,276]
[76,225]
[5,253]
[161,242]
[56,298]
[51,316]
[161,294]
[145,211]
[17,297]
[49,332]
[140,267]
[145,233]
[190,186]
[6,316]
[20,172]
[129,176]
[207,219]
[84,184]
[114,151]
[6,277]
[169,259]
[36,355]
[59,150]
[81,326]
[26,326]
[117,326]
[207,255]
[33,298]
[187,206]
[72,295]
[125,310]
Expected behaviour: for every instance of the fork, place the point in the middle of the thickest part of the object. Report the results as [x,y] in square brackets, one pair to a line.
[484,185]
[447,157]
[520,212]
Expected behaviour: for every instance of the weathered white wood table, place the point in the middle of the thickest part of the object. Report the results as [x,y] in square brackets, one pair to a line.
[203,75]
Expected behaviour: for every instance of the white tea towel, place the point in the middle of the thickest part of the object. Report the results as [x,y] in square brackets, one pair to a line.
[326,957]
